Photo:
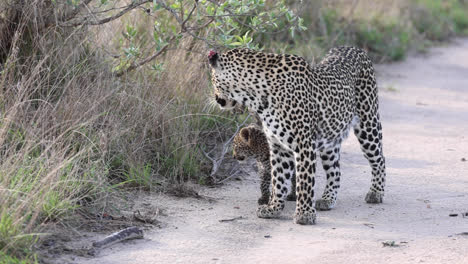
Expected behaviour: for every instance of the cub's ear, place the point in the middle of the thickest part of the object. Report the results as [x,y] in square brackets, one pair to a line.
[245,134]
[213,58]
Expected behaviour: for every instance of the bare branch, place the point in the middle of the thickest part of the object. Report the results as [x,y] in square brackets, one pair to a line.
[172,11]
[85,21]
[218,161]
[230,177]
[148,59]
[189,15]
[72,14]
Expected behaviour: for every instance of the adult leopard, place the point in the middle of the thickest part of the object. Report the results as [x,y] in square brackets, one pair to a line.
[307,110]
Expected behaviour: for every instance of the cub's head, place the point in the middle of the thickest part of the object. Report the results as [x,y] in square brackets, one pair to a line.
[250,142]
[236,74]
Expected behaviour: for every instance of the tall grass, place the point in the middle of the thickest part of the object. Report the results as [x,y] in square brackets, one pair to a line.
[70,131]
[50,148]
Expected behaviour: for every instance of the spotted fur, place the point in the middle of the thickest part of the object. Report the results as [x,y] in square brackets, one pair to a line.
[251,142]
[307,110]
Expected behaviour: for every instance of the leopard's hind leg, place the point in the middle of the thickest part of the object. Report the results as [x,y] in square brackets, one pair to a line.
[331,165]
[369,130]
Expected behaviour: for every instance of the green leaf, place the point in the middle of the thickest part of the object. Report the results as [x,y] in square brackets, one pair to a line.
[156,5]
[246,35]
[175,6]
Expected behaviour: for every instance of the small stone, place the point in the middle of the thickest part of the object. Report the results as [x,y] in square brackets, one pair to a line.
[463,159]
[453,215]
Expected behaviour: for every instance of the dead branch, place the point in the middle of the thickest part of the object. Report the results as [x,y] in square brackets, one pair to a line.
[74,12]
[218,161]
[230,177]
[128,233]
[87,21]
[230,219]
[148,59]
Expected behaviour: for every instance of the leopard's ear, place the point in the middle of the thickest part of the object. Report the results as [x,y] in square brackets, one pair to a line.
[213,58]
[245,134]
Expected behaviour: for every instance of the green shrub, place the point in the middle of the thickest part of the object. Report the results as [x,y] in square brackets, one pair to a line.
[8,259]
[385,40]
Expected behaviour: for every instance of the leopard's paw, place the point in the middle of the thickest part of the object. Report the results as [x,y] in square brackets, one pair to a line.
[374,197]
[324,204]
[265,211]
[305,218]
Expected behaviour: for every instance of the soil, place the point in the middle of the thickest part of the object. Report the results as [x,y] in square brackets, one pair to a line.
[424,110]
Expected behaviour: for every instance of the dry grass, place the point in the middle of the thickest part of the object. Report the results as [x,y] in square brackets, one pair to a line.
[70,130]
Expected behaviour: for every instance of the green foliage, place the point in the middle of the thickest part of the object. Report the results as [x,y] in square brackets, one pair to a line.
[386,35]
[181,164]
[384,39]
[460,17]
[5,258]
[139,176]
[226,24]
[56,205]
[11,237]
[438,20]
[7,229]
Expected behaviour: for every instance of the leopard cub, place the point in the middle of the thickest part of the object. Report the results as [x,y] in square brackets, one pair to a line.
[252,142]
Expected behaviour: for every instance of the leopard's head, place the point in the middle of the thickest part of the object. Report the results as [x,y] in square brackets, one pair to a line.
[238,76]
[250,142]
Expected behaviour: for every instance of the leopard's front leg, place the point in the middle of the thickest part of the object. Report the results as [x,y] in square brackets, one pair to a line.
[282,164]
[264,170]
[305,185]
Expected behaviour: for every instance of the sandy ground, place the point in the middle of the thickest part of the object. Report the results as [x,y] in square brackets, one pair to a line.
[424,109]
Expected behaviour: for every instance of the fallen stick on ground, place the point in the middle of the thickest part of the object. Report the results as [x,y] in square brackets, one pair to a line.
[230,219]
[128,233]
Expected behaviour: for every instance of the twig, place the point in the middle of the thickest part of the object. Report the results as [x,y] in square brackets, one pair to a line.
[130,7]
[230,219]
[189,15]
[218,161]
[232,175]
[128,233]
[150,58]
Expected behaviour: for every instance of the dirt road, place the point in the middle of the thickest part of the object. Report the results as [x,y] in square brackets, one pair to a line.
[424,109]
